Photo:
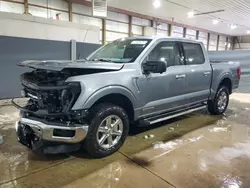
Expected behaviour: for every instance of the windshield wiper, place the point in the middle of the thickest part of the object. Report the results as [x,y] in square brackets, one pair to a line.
[101,59]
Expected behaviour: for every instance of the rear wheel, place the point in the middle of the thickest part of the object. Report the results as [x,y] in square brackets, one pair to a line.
[220,102]
[109,125]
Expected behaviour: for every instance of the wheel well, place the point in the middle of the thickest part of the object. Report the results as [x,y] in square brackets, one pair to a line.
[120,100]
[227,83]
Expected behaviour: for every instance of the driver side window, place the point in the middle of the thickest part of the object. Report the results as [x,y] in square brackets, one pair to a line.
[165,51]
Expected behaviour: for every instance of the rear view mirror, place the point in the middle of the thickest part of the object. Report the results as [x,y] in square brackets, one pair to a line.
[154,67]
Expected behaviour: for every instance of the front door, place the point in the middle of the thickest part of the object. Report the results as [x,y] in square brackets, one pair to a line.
[163,92]
[198,73]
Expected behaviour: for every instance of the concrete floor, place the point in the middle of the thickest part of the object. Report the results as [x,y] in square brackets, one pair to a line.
[197,150]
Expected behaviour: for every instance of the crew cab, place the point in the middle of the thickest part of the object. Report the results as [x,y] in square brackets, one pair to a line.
[92,102]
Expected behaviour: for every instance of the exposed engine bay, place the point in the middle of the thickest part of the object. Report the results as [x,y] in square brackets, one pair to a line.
[51,98]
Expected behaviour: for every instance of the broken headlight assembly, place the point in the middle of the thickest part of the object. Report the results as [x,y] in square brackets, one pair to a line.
[69,96]
[51,100]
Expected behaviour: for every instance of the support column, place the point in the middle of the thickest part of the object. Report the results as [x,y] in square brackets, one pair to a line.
[197,35]
[218,40]
[208,39]
[103,31]
[26,7]
[70,11]
[226,43]
[151,23]
[235,41]
[170,29]
[184,32]
[73,50]
[130,34]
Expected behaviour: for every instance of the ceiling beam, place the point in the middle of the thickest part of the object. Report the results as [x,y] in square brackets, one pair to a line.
[210,12]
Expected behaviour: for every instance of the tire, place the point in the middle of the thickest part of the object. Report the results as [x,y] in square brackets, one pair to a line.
[214,106]
[98,117]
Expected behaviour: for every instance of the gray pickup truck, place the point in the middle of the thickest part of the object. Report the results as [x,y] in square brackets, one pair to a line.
[92,102]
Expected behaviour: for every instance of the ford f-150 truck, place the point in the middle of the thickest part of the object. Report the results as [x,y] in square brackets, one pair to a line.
[92,102]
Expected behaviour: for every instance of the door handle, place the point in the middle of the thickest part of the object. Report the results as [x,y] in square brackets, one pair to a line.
[179,76]
[206,73]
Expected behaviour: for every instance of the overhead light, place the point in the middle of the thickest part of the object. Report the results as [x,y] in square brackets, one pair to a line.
[191,14]
[156,3]
[233,26]
[248,31]
[215,21]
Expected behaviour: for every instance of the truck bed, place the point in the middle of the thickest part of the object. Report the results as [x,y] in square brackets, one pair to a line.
[221,68]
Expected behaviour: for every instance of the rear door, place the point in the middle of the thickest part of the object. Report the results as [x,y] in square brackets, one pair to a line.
[198,73]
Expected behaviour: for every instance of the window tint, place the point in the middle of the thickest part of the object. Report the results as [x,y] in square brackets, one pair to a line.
[166,51]
[193,54]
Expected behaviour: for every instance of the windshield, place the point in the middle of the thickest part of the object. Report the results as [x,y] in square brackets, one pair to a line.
[121,50]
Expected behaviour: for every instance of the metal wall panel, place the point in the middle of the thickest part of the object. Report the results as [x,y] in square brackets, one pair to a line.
[191,32]
[39,12]
[11,7]
[81,9]
[161,33]
[14,50]
[177,29]
[118,17]
[58,4]
[137,30]
[85,49]
[87,20]
[140,21]
[177,32]
[39,2]
[113,36]
[163,26]
[117,26]
[203,34]
[63,15]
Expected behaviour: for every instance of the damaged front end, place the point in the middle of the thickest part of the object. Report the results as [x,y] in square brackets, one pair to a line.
[47,123]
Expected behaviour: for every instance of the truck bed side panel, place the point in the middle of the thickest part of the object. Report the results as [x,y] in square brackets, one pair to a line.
[221,71]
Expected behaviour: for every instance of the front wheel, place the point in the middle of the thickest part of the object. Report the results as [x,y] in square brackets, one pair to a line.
[108,129]
[219,104]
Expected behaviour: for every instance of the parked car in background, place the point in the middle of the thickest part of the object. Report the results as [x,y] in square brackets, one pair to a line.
[92,102]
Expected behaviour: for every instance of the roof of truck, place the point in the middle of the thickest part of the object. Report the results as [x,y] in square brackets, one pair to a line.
[170,38]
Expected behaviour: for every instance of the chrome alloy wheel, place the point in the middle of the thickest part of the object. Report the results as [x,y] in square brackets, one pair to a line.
[222,101]
[109,131]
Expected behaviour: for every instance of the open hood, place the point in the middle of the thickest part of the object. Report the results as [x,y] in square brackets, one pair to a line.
[58,65]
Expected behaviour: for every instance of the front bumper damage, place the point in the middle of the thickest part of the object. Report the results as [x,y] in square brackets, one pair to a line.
[50,138]
[47,122]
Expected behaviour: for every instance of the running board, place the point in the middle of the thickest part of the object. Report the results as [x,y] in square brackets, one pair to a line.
[153,121]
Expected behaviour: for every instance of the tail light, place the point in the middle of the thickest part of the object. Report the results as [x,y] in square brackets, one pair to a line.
[238,72]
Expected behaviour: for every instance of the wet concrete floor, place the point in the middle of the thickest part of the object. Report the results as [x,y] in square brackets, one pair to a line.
[196,150]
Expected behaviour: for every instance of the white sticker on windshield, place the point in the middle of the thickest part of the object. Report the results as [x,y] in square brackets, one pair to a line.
[139,42]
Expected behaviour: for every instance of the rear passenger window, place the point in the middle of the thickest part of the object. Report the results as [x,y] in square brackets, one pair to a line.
[193,53]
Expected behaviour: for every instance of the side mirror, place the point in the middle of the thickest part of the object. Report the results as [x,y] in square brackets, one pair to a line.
[154,67]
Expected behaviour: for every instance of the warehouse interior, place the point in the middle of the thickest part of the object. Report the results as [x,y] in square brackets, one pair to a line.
[193,150]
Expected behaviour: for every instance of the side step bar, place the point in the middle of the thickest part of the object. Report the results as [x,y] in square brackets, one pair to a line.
[170,116]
